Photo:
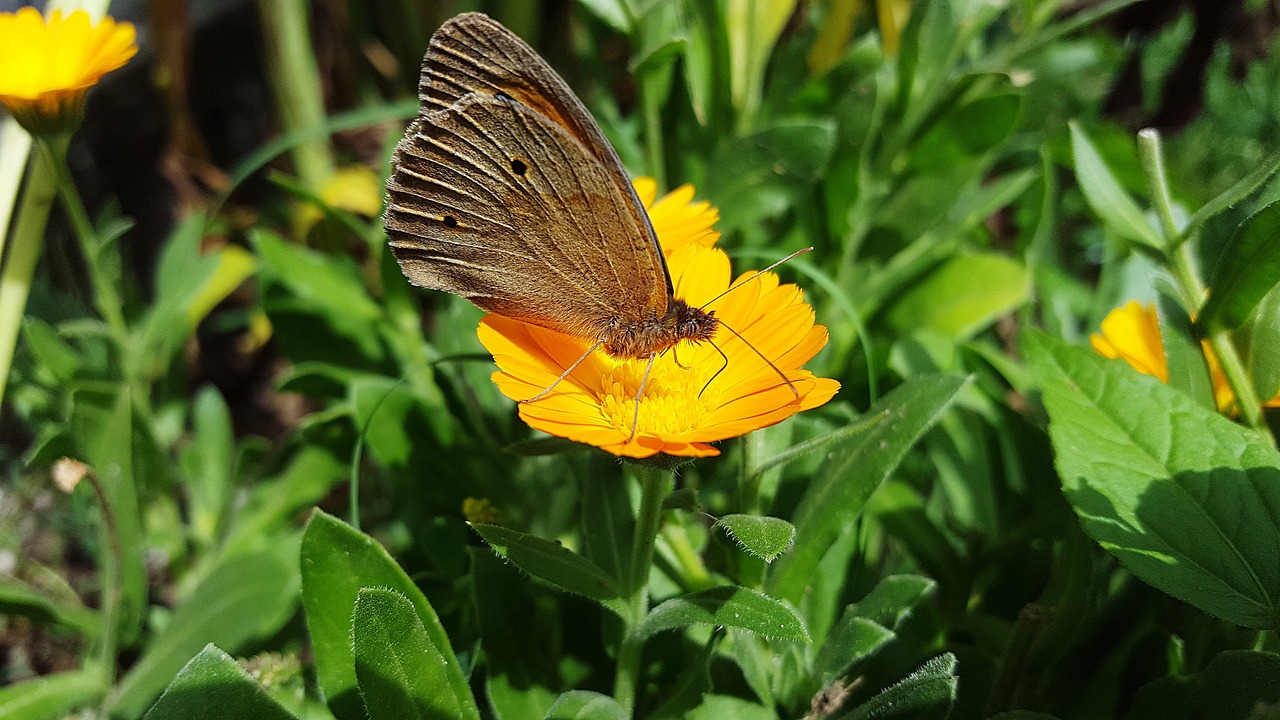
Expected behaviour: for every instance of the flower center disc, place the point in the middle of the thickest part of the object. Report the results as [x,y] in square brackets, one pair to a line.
[670,403]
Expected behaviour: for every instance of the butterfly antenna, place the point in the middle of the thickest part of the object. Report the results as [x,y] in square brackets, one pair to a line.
[564,374]
[707,384]
[757,274]
[762,357]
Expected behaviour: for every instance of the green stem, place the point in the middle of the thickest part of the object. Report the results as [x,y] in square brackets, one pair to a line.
[1181,263]
[1152,154]
[104,288]
[15,276]
[1232,367]
[112,565]
[296,82]
[687,561]
[655,485]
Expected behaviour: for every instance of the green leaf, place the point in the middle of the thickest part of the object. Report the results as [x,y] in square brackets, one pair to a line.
[963,296]
[51,696]
[721,707]
[207,464]
[52,352]
[736,607]
[693,684]
[555,565]
[522,678]
[1248,270]
[1188,368]
[307,477]
[762,536]
[839,490]
[322,287]
[1237,685]
[868,625]
[1263,359]
[926,694]
[586,705]
[402,428]
[213,686]
[337,561]
[968,130]
[1237,192]
[104,426]
[753,27]
[607,524]
[246,596]
[1103,193]
[758,176]
[614,13]
[893,599]
[20,599]
[402,675]
[851,640]
[1186,499]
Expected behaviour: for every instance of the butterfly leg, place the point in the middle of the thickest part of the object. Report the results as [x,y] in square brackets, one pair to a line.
[635,419]
[675,357]
[566,373]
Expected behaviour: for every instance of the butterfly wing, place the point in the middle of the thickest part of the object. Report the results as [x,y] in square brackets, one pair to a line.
[493,201]
[471,56]
[473,53]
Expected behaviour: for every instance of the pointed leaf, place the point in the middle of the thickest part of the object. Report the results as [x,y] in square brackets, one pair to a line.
[1237,192]
[50,697]
[855,469]
[1188,500]
[337,561]
[1248,270]
[554,564]
[762,536]
[522,677]
[214,687]
[851,640]
[245,596]
[586,705]
[962,296]
[926,694]
[893,599]
[1188,367]
[402,675]
[1103,193]
[736,607]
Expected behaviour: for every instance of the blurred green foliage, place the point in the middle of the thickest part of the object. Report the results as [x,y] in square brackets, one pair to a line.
[988,521]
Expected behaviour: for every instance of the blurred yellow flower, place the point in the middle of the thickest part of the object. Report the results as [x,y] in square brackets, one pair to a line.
[47,67]
[1131,332]
[680,414]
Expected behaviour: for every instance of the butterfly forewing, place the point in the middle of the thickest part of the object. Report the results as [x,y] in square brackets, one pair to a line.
[473,54]
[493,201]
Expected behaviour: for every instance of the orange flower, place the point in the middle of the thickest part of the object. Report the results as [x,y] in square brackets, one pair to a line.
[46,68]
[1131,332]
[595,404]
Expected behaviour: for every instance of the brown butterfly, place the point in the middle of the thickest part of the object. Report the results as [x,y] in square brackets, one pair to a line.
[507,193]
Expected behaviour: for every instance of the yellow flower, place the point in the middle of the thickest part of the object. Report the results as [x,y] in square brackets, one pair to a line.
[596,403]
[46,68]
[1131,332]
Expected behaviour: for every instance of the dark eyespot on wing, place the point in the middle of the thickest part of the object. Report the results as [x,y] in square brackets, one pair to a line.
[518,167]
